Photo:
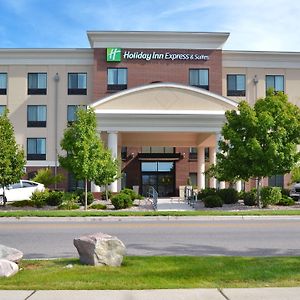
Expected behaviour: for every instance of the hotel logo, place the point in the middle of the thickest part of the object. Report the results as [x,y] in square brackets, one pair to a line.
[113,54]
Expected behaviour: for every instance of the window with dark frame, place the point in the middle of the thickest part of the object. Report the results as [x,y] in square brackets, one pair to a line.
[72,111]
[124,153]
[276,180]
[36,115]
[236,85]
[2,109]
[193,153]
[37,84]
[77,83]
[117,79]
[36,148]
[199,78]
[275,82]
[3,83]
[157,149]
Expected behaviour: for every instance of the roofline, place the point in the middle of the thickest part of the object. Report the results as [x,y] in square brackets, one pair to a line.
[162,85]
[157,39]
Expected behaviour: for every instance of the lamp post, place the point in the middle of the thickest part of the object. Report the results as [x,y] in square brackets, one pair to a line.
[56,80]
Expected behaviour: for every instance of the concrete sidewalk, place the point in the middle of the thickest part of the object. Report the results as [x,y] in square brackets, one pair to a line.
[172,204]
[176,294]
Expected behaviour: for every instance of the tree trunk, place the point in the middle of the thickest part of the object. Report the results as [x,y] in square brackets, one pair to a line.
[4,202]
[258,187]
[106,192]
[85,196]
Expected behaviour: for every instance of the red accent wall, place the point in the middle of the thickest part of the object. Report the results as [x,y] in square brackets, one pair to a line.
[141,72]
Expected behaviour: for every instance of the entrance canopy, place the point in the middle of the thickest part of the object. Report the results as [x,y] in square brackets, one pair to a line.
[162,107]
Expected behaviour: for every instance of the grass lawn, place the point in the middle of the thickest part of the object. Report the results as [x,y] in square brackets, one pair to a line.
[158,272]
[93,213]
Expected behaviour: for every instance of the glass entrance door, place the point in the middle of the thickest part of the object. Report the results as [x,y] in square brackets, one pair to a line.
[159,175]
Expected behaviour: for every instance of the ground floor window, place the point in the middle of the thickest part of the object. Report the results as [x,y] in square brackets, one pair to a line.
[159,175]
[74,184]
[276,180]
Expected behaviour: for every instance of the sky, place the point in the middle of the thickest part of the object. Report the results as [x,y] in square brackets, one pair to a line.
[257,25]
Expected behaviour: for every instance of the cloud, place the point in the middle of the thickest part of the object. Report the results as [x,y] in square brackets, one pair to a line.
[253,25]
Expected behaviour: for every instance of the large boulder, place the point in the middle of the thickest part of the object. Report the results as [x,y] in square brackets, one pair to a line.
[11,254]
[8,268]
[100,249]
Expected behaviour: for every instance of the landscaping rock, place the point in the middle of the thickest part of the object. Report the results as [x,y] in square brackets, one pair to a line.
[11,254]
[100,249]
[8,268]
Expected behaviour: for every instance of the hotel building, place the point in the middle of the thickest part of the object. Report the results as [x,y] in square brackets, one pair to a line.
[159,98]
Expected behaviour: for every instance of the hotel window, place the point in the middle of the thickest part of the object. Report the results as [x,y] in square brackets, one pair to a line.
[36,149]
[36,115]
[37,83]
[2,108]
[193,153]
[72,111]
[3,83]
[77,83]
[158,149]
[116,79]
[193,179]
[276,180]
[199,78]
[276,82]
[123,152]
[236,85]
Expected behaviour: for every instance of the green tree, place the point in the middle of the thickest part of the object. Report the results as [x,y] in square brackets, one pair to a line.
[259,141]
[46,177]
[12,160]
[295,173]
[85,151]
[107,170]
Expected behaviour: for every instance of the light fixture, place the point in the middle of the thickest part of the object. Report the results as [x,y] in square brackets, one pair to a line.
[255,79]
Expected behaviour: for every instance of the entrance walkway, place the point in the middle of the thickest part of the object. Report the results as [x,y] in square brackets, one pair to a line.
[172,204]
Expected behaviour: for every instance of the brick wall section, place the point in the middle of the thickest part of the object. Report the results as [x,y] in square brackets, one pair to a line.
[131,166]
[60,186]
[142,72]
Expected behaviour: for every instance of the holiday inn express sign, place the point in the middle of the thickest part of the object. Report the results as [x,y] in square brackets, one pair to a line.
[116,55]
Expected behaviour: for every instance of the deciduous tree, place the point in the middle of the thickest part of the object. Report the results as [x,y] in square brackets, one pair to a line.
[85,154]
[259,141]
[12,160]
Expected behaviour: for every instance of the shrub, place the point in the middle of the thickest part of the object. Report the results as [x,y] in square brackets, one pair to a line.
[229,196]
[133,195]
[54,198]
[213,201]
[270,195]
[23,203]
[81,197]
[286,201]
[206,192]
[121,201]
[68,205]
[39,198]
[98,206]
[70,201]
[285,192]
[250,198]
[241,195]
[46,177]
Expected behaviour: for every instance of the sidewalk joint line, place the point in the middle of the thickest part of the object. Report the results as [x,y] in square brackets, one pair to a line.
[222,293]
[30,295]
